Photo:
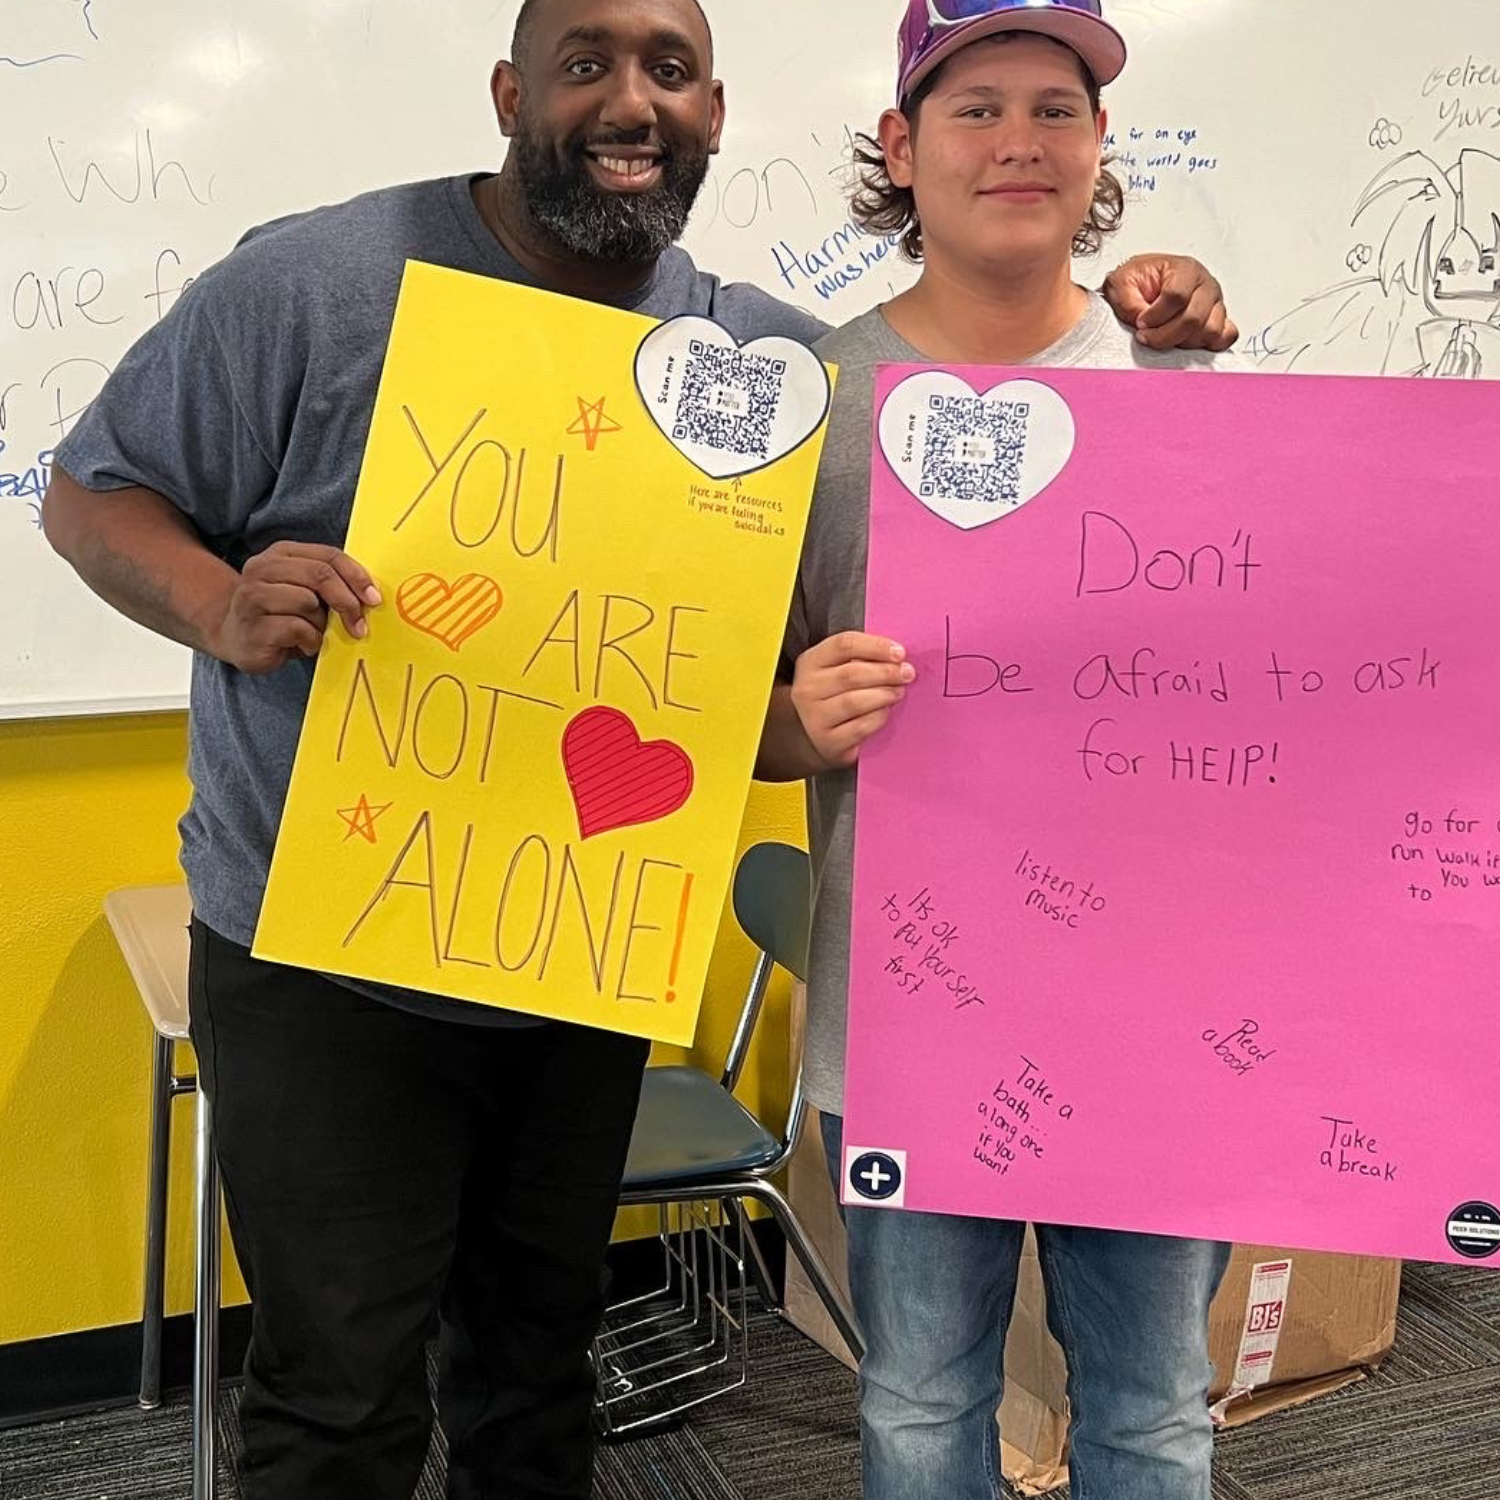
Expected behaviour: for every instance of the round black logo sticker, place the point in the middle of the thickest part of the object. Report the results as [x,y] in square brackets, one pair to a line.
[877,1176]
[1474,1230]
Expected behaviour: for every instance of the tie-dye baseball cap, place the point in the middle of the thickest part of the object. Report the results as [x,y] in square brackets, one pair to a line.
[933,30]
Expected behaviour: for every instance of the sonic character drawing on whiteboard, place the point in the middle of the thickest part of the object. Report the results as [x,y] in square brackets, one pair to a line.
[1432,306]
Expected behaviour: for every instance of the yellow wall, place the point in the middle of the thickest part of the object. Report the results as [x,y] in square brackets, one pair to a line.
[86,806]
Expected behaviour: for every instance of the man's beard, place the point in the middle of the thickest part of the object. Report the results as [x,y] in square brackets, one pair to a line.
[591,221]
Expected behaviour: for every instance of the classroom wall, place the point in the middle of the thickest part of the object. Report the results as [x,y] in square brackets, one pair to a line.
[86,806]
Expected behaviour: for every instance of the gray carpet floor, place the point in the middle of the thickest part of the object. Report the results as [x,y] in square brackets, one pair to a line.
[1424,1427]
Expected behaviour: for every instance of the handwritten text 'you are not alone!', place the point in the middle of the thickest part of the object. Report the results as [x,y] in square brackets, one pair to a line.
[594,653]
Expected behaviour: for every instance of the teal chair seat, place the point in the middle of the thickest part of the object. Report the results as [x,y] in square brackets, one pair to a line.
[689,1125]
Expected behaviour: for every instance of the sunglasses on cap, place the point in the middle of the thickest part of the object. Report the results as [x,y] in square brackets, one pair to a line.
[933,30]
[954,12]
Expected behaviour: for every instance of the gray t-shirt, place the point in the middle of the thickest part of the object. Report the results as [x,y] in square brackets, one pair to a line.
[830,597]
[248,407]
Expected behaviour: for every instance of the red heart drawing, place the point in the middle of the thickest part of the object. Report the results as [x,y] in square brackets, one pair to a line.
[617,781]
[451,613]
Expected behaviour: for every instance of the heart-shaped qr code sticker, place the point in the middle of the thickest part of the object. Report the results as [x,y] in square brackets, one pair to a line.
[730,408]
[970,458]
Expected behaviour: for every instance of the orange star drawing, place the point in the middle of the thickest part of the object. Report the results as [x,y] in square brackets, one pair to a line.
[592,424]
[361,819]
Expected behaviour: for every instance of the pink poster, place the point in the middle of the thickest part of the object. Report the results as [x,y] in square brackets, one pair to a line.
[1177,895]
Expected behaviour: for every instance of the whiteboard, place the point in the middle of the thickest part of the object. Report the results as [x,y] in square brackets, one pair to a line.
[138,140]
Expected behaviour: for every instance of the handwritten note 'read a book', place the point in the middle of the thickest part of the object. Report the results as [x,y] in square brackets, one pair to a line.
[1177,899]
[524,787]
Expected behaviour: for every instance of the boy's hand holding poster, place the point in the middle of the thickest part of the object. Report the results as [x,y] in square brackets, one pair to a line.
[1177,901]
[524,786]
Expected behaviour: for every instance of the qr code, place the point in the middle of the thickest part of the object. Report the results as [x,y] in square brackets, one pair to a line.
[729,400]
[975,449]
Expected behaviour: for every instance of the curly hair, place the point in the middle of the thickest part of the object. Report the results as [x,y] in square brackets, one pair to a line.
[881,208]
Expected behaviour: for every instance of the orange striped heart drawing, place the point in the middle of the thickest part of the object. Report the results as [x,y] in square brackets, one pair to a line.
[449,612]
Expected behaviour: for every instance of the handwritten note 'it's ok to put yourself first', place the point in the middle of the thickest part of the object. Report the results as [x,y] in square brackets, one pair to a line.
[1200,781]
[525,786]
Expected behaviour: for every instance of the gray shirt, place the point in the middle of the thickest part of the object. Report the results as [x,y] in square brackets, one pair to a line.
[248,407]
[830,597]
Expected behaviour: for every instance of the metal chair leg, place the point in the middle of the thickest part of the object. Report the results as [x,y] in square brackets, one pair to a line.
[153,1302]
[206,1308]
[759,1270]
[813,1264]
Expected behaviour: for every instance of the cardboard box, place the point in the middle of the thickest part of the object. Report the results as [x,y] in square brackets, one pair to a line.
[1286,1327]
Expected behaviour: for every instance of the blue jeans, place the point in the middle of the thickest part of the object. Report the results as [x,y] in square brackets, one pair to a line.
[933,1295]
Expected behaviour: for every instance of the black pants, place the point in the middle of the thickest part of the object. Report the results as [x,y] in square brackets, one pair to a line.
[379,1168]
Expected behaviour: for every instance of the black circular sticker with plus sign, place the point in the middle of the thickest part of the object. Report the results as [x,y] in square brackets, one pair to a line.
[1474,1230]
[875,1175]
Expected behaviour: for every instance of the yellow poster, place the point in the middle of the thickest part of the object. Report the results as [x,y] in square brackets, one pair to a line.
[524,786]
